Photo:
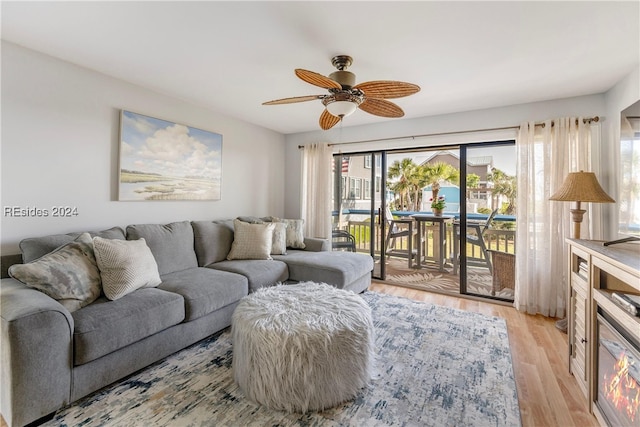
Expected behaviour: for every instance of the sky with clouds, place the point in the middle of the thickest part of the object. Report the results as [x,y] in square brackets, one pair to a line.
[157,146]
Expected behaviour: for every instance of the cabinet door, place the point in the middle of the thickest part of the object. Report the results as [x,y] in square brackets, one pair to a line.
[578,334]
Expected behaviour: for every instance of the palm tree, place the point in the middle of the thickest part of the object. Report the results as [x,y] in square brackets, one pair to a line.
[505,185]
[436,172]
[402,170]
[473,181]
[417,181]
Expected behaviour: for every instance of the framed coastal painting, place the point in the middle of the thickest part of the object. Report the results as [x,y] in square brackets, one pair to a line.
[162,160]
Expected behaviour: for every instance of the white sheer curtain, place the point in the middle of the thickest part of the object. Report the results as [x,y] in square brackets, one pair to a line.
[545,155]
[316,190]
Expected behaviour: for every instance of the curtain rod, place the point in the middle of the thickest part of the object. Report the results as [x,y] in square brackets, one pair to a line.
[585,120]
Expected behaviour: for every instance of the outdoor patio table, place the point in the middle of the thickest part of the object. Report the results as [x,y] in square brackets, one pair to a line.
[441,220]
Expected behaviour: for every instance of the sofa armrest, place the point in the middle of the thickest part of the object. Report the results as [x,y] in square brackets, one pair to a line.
[316,244]
[36,359]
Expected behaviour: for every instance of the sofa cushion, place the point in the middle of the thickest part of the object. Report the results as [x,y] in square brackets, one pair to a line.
[125,265]
[259,273]
[335,268]
[106,326]
[69,274]
[251,241]
[171,244]
[34,247]
[205,290]
[226,222]
[212,241]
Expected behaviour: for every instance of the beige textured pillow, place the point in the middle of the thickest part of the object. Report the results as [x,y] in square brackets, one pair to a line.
[279,243]
[295,232]
[69,274]
[125,265]
[251,241]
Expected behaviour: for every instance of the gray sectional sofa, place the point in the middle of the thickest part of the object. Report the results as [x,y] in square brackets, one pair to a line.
[51,356]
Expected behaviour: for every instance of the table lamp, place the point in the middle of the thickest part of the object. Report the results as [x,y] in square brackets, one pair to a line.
[579,187]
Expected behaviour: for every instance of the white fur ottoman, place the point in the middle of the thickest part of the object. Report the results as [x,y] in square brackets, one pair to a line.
[302,347]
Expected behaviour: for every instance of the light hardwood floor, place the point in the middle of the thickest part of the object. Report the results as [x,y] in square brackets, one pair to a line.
[548,395]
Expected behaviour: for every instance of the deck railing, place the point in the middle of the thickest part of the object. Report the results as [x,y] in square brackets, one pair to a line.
[499,237]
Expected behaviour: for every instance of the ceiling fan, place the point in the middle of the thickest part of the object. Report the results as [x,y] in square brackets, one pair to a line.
[345,96]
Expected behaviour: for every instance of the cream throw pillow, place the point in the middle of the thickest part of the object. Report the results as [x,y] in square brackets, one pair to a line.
[251,241]
[69,274]
[125,265]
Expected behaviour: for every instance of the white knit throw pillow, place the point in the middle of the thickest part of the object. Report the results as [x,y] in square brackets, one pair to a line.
[125,265]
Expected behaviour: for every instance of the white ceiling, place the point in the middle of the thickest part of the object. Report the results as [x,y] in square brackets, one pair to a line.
[232,56]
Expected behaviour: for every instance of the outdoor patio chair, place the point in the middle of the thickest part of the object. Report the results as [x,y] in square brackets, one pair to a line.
[398,229]
[504,271]
[341,239]
[475,237]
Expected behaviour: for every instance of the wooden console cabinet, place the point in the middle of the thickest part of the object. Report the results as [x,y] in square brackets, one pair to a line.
[595,272]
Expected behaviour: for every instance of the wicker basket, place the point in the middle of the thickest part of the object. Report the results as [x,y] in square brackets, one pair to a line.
[504,271]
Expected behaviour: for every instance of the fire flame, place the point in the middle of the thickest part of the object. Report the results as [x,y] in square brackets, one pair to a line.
[622,390]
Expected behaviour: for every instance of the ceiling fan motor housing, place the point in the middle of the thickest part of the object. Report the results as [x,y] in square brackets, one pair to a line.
[346,78]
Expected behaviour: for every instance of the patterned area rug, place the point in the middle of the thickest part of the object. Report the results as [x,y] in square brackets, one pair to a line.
[435,366]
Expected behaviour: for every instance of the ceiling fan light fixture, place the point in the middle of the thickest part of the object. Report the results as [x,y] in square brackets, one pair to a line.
[341,108]
[345,97]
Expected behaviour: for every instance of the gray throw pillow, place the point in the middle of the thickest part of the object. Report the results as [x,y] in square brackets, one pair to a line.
[125,265]
[69,274]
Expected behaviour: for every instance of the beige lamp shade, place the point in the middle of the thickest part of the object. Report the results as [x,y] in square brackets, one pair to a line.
[581,187]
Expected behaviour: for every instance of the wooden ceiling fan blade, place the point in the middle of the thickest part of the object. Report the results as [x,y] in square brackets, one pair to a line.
[382,108]
[387,89]
[328,120]
[293,100]
[317,79]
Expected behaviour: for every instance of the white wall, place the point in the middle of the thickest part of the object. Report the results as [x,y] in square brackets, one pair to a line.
[586,106]
[60,126]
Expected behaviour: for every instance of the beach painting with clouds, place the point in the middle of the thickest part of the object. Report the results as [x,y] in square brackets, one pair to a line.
[162,160]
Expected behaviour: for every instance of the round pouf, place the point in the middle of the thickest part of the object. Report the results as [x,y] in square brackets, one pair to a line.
[302,347]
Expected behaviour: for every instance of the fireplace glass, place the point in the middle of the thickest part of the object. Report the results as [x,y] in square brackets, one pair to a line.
[618,366]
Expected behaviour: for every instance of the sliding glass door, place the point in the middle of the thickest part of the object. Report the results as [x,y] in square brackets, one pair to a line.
[424,205]
[358,199]
[439,219]
[488,261]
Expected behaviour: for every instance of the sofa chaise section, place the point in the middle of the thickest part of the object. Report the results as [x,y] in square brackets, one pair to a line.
[344,270]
